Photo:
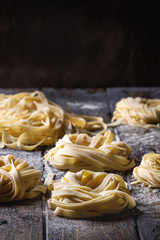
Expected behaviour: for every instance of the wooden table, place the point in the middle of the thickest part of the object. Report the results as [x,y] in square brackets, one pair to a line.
[31,219]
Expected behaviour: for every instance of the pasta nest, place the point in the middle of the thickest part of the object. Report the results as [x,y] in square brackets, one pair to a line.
[18,180]
[28,120]
[98,153]
[148,172]
[88,194]
[138,111]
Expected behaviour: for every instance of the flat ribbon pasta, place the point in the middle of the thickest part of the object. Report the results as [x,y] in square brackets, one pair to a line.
[98,153]
[28,120]
[138,111]
[88,194]
[18,180]
[148,172]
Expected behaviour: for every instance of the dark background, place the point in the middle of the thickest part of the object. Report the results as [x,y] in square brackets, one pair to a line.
[79,44]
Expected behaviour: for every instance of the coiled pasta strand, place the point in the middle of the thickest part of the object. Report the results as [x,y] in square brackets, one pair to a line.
[98,153]
[137,111]
[87,194]
[18,180]
[148,172]
[28,120]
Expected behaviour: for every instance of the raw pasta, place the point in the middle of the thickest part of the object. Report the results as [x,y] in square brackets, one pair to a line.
[87,194]
[98,153]
[28,120]
[138,111]
[148,172]
[18,180]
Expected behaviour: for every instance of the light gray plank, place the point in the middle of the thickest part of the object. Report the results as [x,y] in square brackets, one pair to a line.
[91,102]
[142,141]
[22,219]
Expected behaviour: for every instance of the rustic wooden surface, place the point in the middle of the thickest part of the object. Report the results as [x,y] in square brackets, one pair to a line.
[31,219]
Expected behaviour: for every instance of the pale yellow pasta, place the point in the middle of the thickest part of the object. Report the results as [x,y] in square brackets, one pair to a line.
[148,172]
[138,111]
[18,180]
[28,120]
[87,194]
[99,153]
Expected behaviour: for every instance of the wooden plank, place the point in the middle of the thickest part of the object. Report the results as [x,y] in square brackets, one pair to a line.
[142,141]
[17,90]
[122,226]
[22,219]
[80,101]
[133,133]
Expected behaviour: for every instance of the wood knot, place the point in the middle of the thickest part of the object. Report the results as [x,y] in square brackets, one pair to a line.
[3,222]
[156,229]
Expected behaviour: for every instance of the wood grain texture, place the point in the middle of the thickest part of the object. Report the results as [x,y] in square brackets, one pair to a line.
[122,226]
[22,219]
[31,219]
[142,141]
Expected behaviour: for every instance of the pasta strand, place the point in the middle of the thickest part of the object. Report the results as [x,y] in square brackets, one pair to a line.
[99,153]
[87,194]
[28,120]
[138,111]
[148,172]
[18,180]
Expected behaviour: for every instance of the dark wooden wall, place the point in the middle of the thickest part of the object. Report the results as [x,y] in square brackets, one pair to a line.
[79,43]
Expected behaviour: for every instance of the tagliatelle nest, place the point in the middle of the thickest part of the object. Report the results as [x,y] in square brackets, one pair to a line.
[18,180]
[88,194]
[28,120]
[148,172]
[98,153]
[138,111]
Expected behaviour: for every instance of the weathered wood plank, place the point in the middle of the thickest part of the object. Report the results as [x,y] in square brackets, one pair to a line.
[91,102]
[127,132]
[80,101]
[22,219]
[17,90]
[142,141]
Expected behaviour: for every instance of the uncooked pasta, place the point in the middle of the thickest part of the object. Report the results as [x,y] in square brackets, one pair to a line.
[98,153]
[138,111]
[148,172]
[28,120]
[87,194]
[18,180]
